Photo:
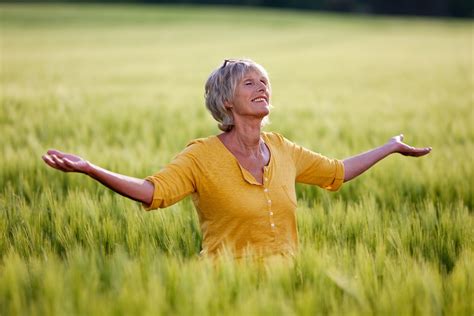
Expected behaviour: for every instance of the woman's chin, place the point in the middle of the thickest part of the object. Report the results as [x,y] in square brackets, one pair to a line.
[264,111]
[261,116]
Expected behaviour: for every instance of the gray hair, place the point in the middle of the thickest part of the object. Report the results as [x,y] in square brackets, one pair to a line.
[220,87]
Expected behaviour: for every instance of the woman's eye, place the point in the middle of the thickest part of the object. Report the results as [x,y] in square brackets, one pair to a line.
[248,83]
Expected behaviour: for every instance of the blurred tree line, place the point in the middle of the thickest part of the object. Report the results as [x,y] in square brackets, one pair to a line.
[453,8]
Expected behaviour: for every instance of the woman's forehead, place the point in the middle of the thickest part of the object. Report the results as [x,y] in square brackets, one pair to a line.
[255,72]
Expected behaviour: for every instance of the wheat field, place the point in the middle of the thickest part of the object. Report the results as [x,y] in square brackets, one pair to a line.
[122,86]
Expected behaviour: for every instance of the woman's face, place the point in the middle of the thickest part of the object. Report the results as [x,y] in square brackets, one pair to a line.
[251,96]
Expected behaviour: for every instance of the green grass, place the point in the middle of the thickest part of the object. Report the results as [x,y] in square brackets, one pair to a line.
[123,87]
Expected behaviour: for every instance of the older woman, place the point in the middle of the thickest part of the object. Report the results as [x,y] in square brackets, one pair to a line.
[246,198]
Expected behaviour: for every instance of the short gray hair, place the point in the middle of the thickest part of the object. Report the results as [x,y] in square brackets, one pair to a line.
[220,87]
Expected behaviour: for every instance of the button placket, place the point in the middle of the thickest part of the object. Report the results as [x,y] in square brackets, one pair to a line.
[269,200]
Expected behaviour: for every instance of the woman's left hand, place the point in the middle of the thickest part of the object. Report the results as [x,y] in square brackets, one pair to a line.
[354,166]
[400,147]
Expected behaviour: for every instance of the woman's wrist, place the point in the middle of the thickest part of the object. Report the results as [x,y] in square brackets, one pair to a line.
[89,169]
[391,147]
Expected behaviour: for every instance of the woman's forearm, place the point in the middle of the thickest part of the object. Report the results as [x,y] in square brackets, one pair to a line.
[354,166]
[133,188]
[136,189]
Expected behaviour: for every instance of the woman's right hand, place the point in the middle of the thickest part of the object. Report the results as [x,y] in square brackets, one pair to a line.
[66,162]
[136,189]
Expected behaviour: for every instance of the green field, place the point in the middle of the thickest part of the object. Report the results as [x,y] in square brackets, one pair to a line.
[123,87]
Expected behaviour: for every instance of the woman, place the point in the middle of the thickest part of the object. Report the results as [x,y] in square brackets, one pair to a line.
[246,198]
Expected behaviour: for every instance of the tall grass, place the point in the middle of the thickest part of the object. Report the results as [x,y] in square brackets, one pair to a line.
[123,86]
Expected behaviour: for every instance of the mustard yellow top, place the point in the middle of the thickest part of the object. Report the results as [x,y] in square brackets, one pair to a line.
[235,211]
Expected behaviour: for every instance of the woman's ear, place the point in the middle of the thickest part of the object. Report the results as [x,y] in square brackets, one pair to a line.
[227,105]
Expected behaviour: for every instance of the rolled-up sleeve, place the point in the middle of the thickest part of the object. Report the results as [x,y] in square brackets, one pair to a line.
[314,168]
[175,181]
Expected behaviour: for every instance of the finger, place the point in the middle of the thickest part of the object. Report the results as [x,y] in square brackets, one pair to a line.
[70,164]
[49,161]
[55,152]
[417,152]
[401,137]
[56,164]
[423,151]
[60,163]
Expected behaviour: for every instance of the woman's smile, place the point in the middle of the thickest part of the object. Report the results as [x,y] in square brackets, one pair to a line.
[261,100]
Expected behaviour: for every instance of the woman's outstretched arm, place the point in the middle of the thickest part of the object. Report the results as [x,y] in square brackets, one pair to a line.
[136,189]
[356,165]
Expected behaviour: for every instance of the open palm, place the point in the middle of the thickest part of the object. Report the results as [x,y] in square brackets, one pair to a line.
[66,162]
[406,150]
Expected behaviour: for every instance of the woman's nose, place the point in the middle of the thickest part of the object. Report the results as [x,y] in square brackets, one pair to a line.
[262,87]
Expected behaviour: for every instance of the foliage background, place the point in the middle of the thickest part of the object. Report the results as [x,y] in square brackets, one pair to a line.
[454,8]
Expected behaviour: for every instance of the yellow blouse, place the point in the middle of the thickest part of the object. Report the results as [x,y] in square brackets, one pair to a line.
[236,212]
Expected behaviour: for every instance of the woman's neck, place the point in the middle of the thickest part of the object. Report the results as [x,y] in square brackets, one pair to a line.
[245,139]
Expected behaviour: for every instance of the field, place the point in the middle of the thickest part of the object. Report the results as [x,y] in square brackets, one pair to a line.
[123,87]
